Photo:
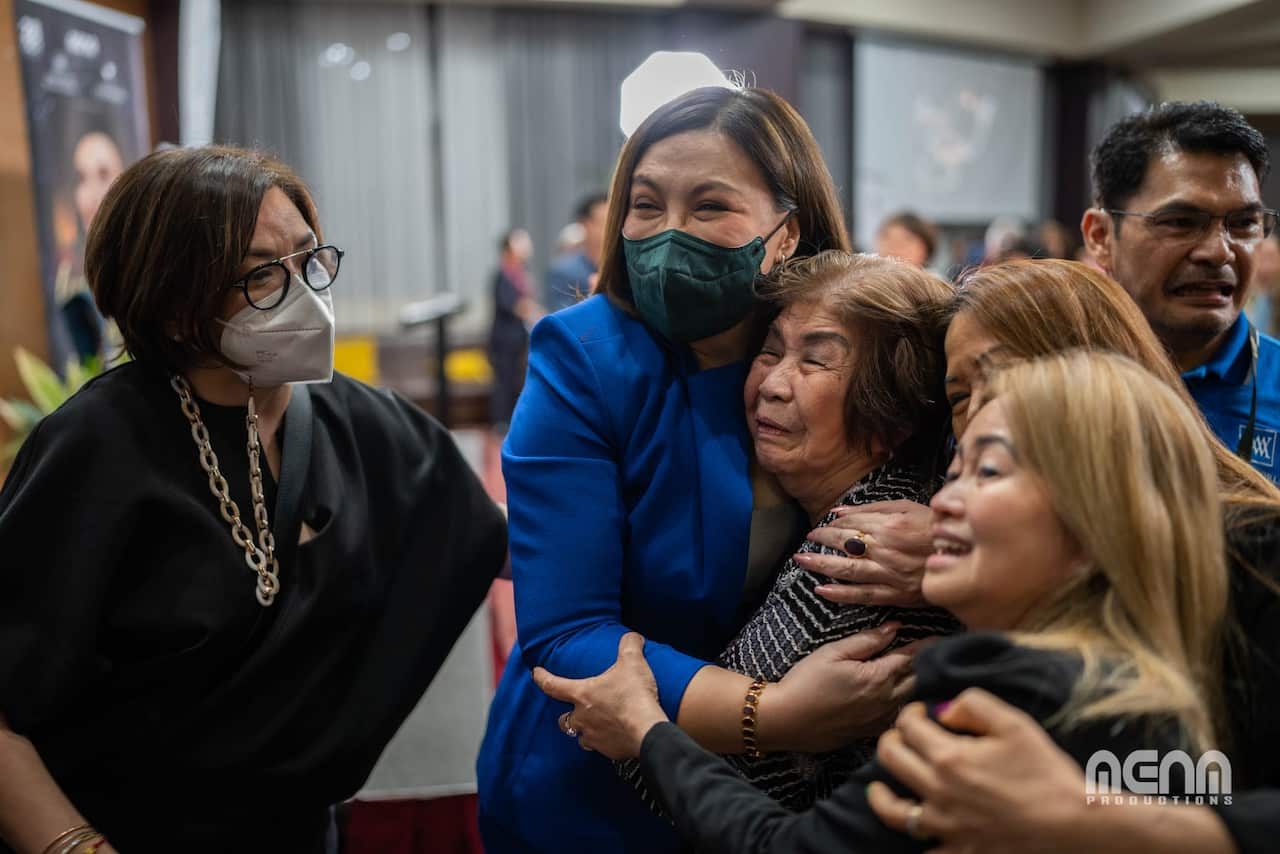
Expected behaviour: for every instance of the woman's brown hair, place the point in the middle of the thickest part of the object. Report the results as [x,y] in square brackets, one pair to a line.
[169,240]
[770,132]
[896,315]
[917,226]
[1041,307]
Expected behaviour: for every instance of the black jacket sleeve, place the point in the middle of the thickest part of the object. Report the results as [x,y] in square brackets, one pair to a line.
[716,810]
[1253,820]
[1252,672]
[65,515]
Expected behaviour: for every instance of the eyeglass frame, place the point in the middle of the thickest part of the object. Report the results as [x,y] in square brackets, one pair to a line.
[242,283]
[1266,212]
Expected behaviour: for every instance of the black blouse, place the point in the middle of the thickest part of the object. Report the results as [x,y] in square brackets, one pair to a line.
[1252,662]
[174,710]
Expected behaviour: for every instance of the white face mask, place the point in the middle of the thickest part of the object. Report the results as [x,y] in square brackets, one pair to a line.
[291,343]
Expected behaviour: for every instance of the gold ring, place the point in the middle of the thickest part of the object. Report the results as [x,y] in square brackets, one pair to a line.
[913,821]
[859,537]
[566,727]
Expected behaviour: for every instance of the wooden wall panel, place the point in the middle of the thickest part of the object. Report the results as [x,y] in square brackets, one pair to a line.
[22,320]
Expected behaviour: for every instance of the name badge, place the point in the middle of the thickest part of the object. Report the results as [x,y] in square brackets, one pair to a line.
[1264,447]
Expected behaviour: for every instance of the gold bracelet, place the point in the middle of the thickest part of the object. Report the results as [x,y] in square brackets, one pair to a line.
[80,832]
[750,746]
[75,840]
[63,836]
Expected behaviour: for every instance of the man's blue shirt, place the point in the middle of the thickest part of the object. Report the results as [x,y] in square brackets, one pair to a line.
[1223,390]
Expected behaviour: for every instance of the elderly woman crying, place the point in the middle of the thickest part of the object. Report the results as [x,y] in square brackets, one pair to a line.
[845,407]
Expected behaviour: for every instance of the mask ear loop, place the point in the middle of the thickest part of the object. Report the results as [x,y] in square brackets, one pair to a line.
[777,269]
[785,220]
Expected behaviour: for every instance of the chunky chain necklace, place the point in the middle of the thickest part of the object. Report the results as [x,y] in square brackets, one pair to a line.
[261,556]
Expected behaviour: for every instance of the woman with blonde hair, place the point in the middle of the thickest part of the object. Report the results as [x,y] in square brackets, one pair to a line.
[1028,309]
[1032,308]
[1097,596]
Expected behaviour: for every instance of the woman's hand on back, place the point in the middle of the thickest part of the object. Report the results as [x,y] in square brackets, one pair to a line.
[895,542]
[838,693]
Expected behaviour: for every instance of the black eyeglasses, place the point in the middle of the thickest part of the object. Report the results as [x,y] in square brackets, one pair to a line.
[1191,224]
[266,285]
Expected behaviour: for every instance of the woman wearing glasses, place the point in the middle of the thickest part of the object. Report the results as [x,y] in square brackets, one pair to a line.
[224,588]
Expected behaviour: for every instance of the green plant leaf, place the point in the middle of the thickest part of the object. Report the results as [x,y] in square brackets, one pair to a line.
[74,376]
[46,390]
[10,415]
[20,415]
[79,373]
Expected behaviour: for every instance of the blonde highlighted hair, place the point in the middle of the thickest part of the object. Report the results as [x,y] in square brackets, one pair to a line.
[1129,474]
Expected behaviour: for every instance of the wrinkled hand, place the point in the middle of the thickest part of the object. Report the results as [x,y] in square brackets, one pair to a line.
[1009,790]
[614,711]
[890,571]
[838,693]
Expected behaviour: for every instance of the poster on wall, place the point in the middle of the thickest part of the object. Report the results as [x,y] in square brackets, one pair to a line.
[953,135]
[84,84]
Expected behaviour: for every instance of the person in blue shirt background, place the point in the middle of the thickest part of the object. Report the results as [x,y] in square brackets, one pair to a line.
[1178,218]
[629,472]
[569,277]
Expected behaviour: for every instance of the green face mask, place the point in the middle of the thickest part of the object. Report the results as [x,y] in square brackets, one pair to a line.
[686,288]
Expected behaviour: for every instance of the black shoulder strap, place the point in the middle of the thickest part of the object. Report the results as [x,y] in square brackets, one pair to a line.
[298,426]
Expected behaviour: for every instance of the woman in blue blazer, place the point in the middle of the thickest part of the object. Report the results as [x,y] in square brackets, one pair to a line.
[629,468]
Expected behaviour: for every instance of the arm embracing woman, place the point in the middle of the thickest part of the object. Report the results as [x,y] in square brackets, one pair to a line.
[887,543]
[611,713]
[560,463]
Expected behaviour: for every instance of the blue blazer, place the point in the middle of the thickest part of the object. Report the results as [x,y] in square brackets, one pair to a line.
[630,501]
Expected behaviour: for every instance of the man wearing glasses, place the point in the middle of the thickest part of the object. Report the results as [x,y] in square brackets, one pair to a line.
[1177,220]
